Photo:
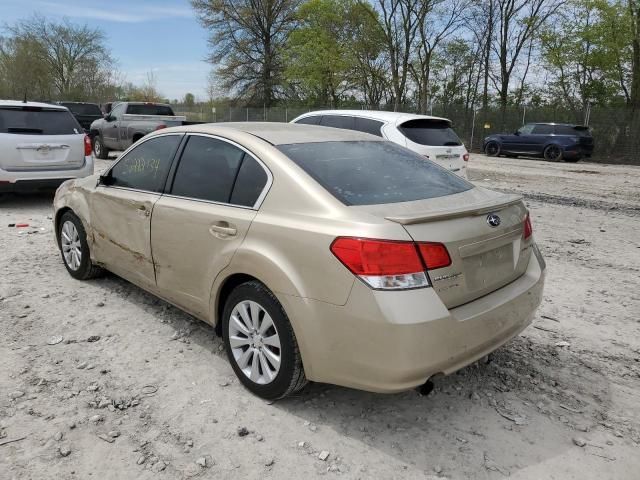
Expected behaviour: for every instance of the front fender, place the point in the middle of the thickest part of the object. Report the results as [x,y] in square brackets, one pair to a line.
[72,195]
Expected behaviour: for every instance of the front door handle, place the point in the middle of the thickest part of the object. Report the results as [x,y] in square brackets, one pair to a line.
[223,229]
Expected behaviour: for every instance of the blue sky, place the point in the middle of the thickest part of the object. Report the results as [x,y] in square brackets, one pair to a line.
[162,36]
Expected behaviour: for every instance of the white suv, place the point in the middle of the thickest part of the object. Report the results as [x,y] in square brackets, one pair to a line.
[41,146]
[429,136]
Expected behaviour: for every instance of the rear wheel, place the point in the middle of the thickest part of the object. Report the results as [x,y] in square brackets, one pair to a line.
[492,149]
[72,241]
[553,153]
[260,342]
[99,149]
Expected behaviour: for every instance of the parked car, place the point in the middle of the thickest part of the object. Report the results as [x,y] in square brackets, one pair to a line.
[431,137]
[128,122]
[318,253]
[41,145]
[85,113]
[553,141]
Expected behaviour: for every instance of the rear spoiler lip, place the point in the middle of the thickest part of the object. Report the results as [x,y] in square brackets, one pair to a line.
[475,209]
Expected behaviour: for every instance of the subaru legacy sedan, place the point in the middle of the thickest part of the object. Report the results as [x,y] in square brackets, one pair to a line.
[317,253]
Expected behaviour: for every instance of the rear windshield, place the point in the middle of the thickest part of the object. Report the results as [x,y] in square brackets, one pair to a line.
[84,108]
[371,173]
[36,121]
[430,132]
[149,110]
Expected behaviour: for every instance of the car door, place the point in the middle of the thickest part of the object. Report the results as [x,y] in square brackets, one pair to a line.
[519,142]
[122,205]
[203,218]
[110,129]
[541,136]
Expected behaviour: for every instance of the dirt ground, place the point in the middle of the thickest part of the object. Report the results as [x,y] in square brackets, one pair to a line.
[134,388]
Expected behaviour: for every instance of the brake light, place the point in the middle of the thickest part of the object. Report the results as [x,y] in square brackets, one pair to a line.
[434,255]
[465,157]
[388,264]
[87,146]
[161,126]
[528,228]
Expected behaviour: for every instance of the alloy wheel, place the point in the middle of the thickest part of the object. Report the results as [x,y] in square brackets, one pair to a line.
[71,246]
[254,342]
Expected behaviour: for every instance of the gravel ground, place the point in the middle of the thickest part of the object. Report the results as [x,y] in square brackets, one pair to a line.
[101,380]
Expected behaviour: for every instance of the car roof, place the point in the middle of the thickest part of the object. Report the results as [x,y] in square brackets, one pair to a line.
[553,123]
[387,117]
[277,133]
[62,102]
[20,103]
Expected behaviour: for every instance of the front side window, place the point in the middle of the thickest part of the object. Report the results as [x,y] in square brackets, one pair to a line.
[314,120]
[373,172]
[526,129]
[207,170]
[146,166]
[37,121]
[117,111]
[541,129]
[424,131]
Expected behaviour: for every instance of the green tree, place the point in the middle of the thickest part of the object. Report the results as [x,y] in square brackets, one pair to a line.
[189,100]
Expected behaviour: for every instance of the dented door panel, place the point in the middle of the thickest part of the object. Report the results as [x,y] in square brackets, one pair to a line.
[121,228]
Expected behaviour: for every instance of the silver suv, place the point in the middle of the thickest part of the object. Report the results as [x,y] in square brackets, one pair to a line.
[41,146]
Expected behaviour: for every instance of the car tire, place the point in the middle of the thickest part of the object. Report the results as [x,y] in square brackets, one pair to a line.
[256,333]
[72,241]
[492,149]
[552,153]
[99,150]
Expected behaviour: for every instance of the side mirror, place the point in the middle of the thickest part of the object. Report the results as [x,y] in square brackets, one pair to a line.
[105,179]
[517,132]
[107,117]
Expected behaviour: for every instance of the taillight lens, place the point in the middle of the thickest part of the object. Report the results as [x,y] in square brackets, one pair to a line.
[87,146]
[161,126]
[465,157]
[528,228]
[434,255]
[390,265]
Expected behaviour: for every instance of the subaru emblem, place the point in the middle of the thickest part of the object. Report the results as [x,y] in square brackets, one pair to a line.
[493,220]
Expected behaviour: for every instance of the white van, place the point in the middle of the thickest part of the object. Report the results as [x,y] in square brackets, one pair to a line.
[41,146]
[429,136]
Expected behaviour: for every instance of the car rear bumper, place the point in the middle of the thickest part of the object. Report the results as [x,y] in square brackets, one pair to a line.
[394,341]
[33,180]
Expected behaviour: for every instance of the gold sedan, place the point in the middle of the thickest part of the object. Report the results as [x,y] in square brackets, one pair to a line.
[317,253]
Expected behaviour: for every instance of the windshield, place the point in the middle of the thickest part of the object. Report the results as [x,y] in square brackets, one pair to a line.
[370,173]
[430,132]
[84,109]
[144,109]
[37,121]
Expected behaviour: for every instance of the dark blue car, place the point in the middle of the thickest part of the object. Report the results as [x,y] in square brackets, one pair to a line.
[553,141]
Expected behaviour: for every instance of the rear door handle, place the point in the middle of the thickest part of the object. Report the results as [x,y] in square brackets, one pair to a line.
[223,229]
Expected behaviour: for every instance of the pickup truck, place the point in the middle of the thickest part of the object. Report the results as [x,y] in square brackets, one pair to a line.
[127,123]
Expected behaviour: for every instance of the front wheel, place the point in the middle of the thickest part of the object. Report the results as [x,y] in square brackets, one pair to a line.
[72,241]
[99,149]
[260,342]
[553,153]
[492,149]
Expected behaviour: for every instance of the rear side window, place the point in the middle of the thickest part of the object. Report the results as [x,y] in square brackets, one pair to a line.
[576,131]
[430,132]
[207,170]
[338,121]
[250,182]
[146,166]
[367,125]
[145,109]
[373,172]
[315,120]
[38,121]
[543,129]
[84,108]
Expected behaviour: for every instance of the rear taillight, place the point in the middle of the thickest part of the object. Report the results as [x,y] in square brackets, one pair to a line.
[87,146]
[161,126]
[390,265]
[528,228]
[465,157]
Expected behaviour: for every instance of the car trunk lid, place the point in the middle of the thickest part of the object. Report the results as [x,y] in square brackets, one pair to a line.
[484,257]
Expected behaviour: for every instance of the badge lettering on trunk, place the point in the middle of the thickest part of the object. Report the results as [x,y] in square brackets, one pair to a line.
[493,220]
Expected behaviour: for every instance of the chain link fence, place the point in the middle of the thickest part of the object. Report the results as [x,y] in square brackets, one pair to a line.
[616,131]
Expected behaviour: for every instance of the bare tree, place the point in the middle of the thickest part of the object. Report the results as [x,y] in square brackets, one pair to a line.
[246,42]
